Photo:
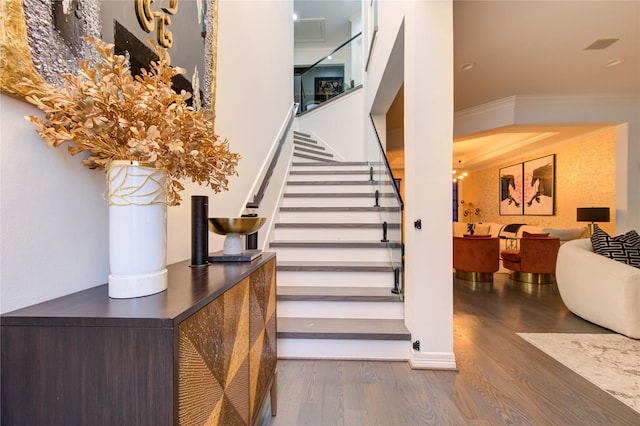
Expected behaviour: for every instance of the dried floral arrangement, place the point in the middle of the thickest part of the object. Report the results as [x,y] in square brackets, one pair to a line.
[113,115]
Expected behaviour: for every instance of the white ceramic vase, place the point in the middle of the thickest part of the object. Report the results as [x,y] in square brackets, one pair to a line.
[137,230]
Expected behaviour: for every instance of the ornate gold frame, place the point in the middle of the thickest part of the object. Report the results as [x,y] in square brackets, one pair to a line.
[15,53]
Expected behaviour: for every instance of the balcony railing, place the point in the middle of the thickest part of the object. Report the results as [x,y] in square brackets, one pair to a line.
[338,72]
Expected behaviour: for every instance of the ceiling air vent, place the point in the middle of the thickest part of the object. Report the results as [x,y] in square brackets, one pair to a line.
[307,30]
[602,43]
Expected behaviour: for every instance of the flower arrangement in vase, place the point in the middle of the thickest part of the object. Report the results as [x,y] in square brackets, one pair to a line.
[147,139]
[114,115]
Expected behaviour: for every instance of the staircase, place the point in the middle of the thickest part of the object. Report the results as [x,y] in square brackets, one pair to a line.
[334,273]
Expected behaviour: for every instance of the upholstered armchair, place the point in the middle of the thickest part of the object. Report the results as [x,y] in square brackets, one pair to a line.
[476,258]
[535,259]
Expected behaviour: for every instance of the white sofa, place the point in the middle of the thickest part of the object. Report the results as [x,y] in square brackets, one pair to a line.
[598,289]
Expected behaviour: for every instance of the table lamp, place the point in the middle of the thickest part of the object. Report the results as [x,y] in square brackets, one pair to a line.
[593,215]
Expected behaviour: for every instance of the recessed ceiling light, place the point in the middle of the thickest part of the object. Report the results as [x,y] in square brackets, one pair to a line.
[602,43]
[295,17]
[614,62]
[468,66]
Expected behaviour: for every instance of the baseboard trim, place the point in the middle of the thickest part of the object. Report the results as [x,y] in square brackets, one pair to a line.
[433,361]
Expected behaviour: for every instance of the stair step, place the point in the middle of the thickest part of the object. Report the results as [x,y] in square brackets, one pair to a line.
[311,157]
[337,182]
[299,133]
[334,244]
[343,328]
[315,151]
[337,225]
[338,195]
[309,144]
[319,266]
[334,232]
[339,163]
[337,294]
[329,172]
[340,209]
[307,139]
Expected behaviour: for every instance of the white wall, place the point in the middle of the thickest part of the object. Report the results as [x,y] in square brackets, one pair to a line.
[254,97]
[428,123]
[339,127]
[53,216]
[53,220]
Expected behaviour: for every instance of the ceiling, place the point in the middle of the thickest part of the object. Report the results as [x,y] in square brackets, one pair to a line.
[334,14]
[523,48]
[538,47]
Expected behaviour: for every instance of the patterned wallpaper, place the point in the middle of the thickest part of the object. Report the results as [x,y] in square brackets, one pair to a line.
[585,177]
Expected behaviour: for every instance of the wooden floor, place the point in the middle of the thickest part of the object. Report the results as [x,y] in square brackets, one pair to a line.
[502,380]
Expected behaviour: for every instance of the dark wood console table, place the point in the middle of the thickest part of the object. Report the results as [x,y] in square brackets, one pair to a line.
[203,351]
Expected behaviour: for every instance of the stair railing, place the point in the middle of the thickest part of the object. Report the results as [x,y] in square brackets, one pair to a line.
[264,183]
[388,201]
[338,72]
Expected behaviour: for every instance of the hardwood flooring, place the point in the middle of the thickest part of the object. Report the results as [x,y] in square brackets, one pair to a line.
[501,379]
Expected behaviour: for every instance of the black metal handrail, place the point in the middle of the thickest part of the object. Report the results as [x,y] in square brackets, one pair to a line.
[257,198]
[386,163]
[332,52]
[310,68]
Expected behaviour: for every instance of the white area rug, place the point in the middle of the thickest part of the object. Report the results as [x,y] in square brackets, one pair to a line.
[609,361]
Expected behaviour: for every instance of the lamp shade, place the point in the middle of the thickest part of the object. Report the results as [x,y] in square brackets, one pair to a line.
[593,214]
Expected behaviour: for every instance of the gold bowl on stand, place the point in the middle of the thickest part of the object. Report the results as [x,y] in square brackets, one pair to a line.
[233,227]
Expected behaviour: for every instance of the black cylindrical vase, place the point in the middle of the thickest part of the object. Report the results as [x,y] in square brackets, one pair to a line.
[199,230]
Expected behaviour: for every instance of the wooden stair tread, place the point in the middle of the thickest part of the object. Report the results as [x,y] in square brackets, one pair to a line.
[330,172]
[337,182]
[308,144]
[336,225]
[339,209]
[315,151]
[338,163]
[343,328]
[337,294]
[307,139]
[338,195]
[335,244]
[311,157]
[334,266]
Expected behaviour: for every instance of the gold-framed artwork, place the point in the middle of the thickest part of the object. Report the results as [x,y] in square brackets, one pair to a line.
[40,40]
[15,54]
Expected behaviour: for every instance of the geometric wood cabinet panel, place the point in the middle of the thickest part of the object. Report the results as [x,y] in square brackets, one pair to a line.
[262,336]
[203,352]
[227,354]
[213,362]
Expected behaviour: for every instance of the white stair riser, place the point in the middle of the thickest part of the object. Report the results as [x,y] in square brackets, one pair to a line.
[336,279]
[327,202]
[335,254]
[335,234]
[389,350]
[329,168]
[334,189]
[334,217]
[329,309]
[368,201]
[340,177]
